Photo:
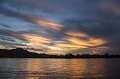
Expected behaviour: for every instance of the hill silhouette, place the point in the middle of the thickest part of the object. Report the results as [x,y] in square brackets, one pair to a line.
[21,53]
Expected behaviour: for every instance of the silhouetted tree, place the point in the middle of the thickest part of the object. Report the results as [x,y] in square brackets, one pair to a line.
[21,53]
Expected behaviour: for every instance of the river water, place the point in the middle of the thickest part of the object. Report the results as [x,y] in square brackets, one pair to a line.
[37,68]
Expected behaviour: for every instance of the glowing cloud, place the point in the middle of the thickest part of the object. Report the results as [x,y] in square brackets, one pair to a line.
[73,41]
[76,34]
[54,26]
[35,38]
[48,23]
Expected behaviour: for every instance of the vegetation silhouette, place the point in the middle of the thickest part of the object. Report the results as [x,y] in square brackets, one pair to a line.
[21,53]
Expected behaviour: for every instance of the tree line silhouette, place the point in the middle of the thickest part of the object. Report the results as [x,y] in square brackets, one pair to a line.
[22,53]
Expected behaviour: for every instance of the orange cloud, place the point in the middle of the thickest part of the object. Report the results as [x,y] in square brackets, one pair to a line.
[48,23]
[35,38]
[73,38]
[69,46]
[70,43]
[74,42]
[76,34]
[35,41]
[39,42]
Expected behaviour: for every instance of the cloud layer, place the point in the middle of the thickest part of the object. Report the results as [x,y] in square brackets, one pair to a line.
[60,26]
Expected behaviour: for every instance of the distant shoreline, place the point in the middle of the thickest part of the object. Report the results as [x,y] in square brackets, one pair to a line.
[21,53]
[60,58]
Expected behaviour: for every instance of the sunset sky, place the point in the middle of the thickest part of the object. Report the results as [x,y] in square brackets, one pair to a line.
[60,26]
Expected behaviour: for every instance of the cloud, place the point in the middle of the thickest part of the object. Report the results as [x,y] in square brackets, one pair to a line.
[66,25]
[48,23]
[100,29]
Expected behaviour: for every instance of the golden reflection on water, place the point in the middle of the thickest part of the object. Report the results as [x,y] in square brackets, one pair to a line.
[64,68]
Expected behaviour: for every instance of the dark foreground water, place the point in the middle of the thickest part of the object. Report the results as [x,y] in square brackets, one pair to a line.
[29,68]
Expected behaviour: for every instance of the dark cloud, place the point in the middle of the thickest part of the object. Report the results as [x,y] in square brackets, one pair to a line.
[95,18]
[6,26]
[107,29]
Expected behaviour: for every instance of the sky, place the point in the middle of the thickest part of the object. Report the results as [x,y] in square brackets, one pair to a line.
[60,26]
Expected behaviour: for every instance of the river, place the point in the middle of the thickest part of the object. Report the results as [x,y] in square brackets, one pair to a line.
[37,68]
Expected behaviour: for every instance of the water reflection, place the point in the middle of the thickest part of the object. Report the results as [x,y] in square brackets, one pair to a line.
[57,68]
